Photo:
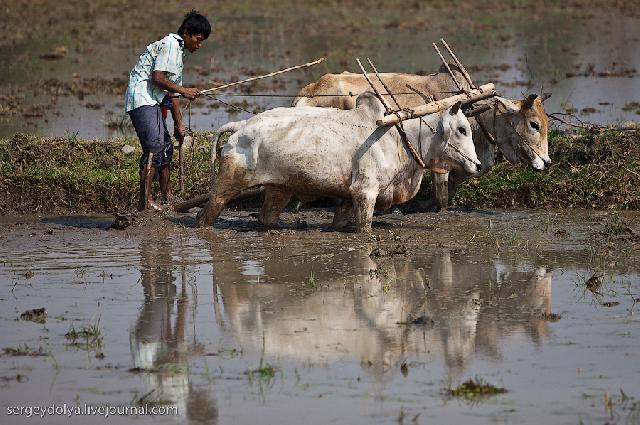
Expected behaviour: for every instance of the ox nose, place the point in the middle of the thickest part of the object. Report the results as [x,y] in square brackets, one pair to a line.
[547,161]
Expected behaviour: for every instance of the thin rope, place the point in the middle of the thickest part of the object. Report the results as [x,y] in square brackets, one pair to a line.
[311,96]
[230,104]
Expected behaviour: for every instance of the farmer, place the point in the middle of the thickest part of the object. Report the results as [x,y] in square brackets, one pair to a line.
[157,74]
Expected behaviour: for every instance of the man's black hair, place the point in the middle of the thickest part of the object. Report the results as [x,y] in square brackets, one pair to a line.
[195,24]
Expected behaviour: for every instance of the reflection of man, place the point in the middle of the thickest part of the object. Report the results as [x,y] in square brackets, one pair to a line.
[158,343]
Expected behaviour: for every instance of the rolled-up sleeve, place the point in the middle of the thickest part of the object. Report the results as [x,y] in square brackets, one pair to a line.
[167,58]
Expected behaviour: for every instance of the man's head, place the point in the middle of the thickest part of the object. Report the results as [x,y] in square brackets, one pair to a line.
[194,30]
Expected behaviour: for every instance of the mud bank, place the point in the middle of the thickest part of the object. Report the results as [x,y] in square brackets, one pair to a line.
[591,169]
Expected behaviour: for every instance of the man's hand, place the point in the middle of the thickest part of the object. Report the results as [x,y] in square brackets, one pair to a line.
[178,133]
[190,92]
[161,80]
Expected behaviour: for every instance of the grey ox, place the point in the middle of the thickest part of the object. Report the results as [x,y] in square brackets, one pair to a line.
[518,127]
[313,152]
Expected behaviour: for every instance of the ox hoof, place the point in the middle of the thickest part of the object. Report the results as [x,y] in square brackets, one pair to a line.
[201,219]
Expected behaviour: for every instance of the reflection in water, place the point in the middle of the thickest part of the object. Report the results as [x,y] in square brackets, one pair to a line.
[335,306]
[365,312]
[158,338]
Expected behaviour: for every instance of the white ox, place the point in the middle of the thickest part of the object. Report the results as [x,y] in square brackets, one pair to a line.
[314,152]
[519,127]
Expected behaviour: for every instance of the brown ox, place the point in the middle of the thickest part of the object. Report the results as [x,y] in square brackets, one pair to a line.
[519,127]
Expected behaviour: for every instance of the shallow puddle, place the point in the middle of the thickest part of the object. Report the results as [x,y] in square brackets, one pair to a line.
[582,54]
[321,327]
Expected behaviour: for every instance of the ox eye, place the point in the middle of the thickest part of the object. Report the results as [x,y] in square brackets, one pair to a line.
[534,125]
[462,130]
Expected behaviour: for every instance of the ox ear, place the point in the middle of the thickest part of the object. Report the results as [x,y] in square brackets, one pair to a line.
[455,108]
[445,122]
[545,96]
[528,102]
[509,105]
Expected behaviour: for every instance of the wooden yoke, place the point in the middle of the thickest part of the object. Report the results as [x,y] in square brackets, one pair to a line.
[482,92]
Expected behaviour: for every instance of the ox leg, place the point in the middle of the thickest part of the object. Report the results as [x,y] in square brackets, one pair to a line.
[440,188]
[212,209]
[343,215]
[228,185]
[275,199]
[363,204]
[454,181]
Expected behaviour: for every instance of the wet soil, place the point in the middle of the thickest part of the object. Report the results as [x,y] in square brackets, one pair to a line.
[69,76]
[238,324]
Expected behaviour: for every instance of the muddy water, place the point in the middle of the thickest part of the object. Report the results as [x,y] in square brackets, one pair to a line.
[583,53]
[188,318]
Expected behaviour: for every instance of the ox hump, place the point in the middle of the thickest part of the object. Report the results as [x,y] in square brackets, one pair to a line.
[369,103]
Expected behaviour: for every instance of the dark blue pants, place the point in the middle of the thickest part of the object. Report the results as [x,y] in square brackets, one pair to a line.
[151,129]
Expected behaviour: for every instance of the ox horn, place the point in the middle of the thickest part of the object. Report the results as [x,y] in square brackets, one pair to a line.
[545,96]
[455,108]
[528,102]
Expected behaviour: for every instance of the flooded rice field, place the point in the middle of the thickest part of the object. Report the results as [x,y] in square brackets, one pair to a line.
[241,325]
[71,79]
[466,316]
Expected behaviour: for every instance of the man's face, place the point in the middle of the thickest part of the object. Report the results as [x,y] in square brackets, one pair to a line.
[192,42]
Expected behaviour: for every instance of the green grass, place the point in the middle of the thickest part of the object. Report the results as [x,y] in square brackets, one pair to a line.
[589,171]
[88,338]
[24,350]
[69,175]
[475,388]
[49,175]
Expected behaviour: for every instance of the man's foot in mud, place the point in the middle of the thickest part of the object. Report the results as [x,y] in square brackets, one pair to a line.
[152,206]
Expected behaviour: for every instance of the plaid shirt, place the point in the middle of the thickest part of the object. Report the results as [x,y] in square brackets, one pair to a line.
[163,55]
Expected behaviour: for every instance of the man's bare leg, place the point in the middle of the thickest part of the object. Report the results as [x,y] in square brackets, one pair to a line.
[165,189]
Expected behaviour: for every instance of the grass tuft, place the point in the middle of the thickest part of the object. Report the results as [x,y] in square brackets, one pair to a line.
[474,388]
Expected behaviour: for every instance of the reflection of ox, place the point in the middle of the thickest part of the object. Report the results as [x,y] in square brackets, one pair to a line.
[519,127]
[332,152]
[474,308]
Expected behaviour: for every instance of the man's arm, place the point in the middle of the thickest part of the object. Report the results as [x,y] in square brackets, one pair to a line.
[176,113]
[159,78]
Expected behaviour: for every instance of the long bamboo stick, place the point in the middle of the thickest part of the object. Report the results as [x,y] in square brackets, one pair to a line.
[465,74]
[453,77]
[383,84]
[271,74]
[434,107]
[387,108]
[474,99]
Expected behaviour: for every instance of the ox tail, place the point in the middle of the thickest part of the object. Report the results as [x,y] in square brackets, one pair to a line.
[230,127]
